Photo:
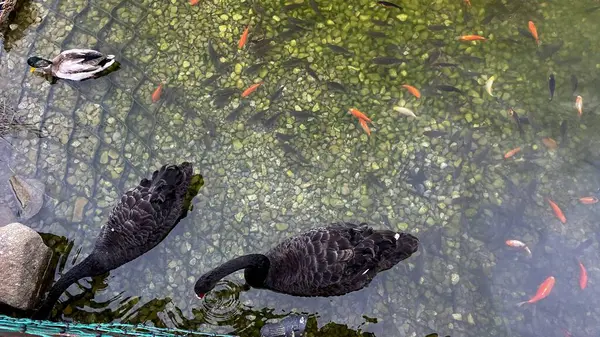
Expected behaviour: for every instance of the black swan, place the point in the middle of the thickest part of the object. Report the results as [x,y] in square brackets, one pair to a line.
[141,220]
[328,261]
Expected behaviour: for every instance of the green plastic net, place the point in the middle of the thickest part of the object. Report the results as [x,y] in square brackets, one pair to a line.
[10,326]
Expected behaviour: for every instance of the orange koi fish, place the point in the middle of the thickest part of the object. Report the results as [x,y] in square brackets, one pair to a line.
[468,2]
[512,152]
[543,291]
[365,126]
[550,143]
[588,200]
[194,2]
[412,90]
[559,214]
[244,38]
[359,115]
[579,105]
[157,93]
[251,89]
[583,278]
[471,38]
[518,244]
[534,32]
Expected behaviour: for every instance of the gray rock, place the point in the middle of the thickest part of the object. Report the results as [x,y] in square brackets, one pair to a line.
[6,215]
[29,194]
[24,260]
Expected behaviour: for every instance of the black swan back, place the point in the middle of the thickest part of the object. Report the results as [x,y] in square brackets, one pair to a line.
[335,260]
[327,261]
[139,221]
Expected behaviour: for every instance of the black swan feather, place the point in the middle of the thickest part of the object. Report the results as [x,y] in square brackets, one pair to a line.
[326,261]
[138,222]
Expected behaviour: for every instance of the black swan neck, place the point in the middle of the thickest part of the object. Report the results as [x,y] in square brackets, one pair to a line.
[84,269]
[253,263]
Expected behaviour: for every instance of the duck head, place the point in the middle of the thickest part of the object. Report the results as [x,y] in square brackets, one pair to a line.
[38,62]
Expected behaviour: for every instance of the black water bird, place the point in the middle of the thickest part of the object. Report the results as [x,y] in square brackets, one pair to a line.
[142,218]
[326,261]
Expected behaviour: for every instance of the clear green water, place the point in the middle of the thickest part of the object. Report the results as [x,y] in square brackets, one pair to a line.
[103,136]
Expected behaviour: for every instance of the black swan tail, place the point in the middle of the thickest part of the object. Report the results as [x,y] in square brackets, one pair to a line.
[388,247]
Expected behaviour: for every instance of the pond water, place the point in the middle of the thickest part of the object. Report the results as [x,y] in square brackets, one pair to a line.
[441,176]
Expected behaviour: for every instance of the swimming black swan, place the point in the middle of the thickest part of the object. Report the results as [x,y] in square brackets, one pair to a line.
[328,261]
[141,220]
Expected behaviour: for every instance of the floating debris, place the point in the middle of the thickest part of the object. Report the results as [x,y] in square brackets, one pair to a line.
[29,194]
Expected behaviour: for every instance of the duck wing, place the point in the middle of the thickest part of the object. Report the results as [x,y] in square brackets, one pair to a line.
[143,217]
[81,61]
[335,260]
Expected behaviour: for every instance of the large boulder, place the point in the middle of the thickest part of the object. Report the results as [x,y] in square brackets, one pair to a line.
[24,260]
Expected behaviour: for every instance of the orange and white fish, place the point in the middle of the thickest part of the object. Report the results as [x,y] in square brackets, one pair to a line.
[244,38]
[543,291]
[468,2]
[518,244]
[365,126]
[194,2]
[557,211]
[251,89]
[583,277]
[534,32]
[412,90]
[550,143]
[588,200]
[579,105]
[359,115]
[512,152]
[471,38]
[157,93]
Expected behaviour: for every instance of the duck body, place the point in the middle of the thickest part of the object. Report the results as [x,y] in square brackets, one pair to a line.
[326,261]
[141,219]
[74,64]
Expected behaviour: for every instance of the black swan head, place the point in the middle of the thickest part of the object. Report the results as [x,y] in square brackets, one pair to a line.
[326,261]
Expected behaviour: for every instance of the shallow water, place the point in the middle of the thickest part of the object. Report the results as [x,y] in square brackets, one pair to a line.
[455,191]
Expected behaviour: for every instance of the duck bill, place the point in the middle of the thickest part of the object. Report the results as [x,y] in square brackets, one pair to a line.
[31,69]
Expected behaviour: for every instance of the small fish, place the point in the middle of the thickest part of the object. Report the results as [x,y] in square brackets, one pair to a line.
[515,116]
[293,62]
[365,126]
[434,133]
[557,211]
[388,4]
[433,56]
[210,80]
[470,58]
[257,117]
[291,7]
[251,89]
[244,38]
[574,83]
[290,150]
[563,133]
[588,200]
[579,105]
[222,96]
[488,85]
[583,277]
[157,93]
[336,86]
[412,90]
[315,7]
[311,72]
[194,2]
[339,50]
[298,22]
[284,137]
[277,94]
[445,65]
[253,69]
[533,31]
[448,88]
[405,111]
[543,291]
[518,244]
[386,60]
[269,123]
[376,34]
[233,115]
[550,143]
[512,152]
[354,112]
[301,115]
[380,23]
[471,38]
[549,50]
[551,86]
[215,58]
[467,2]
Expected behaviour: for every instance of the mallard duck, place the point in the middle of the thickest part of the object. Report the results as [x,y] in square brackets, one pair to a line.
[141,219]
[73,64]
[326,261]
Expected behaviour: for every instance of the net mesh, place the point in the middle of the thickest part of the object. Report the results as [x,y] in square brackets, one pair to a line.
[29,327]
